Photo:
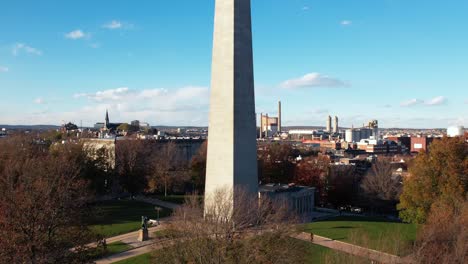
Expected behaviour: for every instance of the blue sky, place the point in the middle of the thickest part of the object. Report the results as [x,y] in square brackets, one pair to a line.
[402,62]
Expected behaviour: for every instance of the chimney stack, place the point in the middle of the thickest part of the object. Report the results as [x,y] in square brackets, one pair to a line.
[279,117]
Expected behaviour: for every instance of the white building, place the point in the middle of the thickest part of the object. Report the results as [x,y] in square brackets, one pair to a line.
[455,131]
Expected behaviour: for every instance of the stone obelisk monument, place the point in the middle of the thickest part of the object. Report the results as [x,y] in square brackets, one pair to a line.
[232,149]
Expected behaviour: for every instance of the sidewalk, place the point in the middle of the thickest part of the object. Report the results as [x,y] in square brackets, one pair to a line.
[371,254]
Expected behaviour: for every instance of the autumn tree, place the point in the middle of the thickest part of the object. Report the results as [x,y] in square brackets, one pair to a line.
[341,185]
[439,175]
[444,237]
[165,162]
[380,186]
[198,168]
[43,202]
[313,171]
[132,159]
[275,163]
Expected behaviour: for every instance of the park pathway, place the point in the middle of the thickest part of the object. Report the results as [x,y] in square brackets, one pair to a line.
[378,256]
[131,253]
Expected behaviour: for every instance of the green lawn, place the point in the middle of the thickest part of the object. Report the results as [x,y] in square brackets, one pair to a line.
[391,237]
[142,259]
[118,217]
[112,248]
[174,198]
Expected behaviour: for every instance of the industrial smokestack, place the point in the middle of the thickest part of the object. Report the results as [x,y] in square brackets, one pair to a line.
[335,125]
[329,124]
[261,126]
[266,125]
[279,116]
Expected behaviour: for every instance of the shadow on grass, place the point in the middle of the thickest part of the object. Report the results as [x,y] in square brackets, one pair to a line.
[360,219]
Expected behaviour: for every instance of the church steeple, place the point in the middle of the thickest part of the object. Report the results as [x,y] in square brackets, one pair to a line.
[106,125]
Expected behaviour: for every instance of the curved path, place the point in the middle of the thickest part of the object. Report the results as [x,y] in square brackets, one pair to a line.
[380,257]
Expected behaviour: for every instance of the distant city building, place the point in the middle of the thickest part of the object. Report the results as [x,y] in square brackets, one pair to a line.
[366,132]
[404,140]
[335,125]
[329,124]
[374,125]
[456,131]
[135,123]
[270,126]
[144,125]
[99,126]
[299,198]
[419,144]
[357,134]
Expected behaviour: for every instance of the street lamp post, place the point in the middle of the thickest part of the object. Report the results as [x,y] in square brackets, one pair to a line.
[157,210]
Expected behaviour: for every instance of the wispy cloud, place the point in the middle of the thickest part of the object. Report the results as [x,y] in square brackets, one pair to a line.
[106,95]
[346,22]
[77,34]
[4,69]
[18,48]
[439,100]
[305,8]
[39,100]
[116,24]
[313,80]
[184,105]
[411,102]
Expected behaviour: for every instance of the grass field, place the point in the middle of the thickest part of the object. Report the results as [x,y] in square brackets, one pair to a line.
[112,248]
[175,198]
[391,237]
[142,259]
[119,217]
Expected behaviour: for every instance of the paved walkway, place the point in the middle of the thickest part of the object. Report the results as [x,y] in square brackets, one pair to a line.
[132,253]
[139,248]
[371,254]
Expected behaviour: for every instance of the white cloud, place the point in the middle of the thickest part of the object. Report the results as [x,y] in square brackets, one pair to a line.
[39,100]
[411,102]
[114,24]
[76,34]
[106,95]
[346,22]
[313,80]
[305,8]
[4,69]
[21,47]
[188,105]
[439,100]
